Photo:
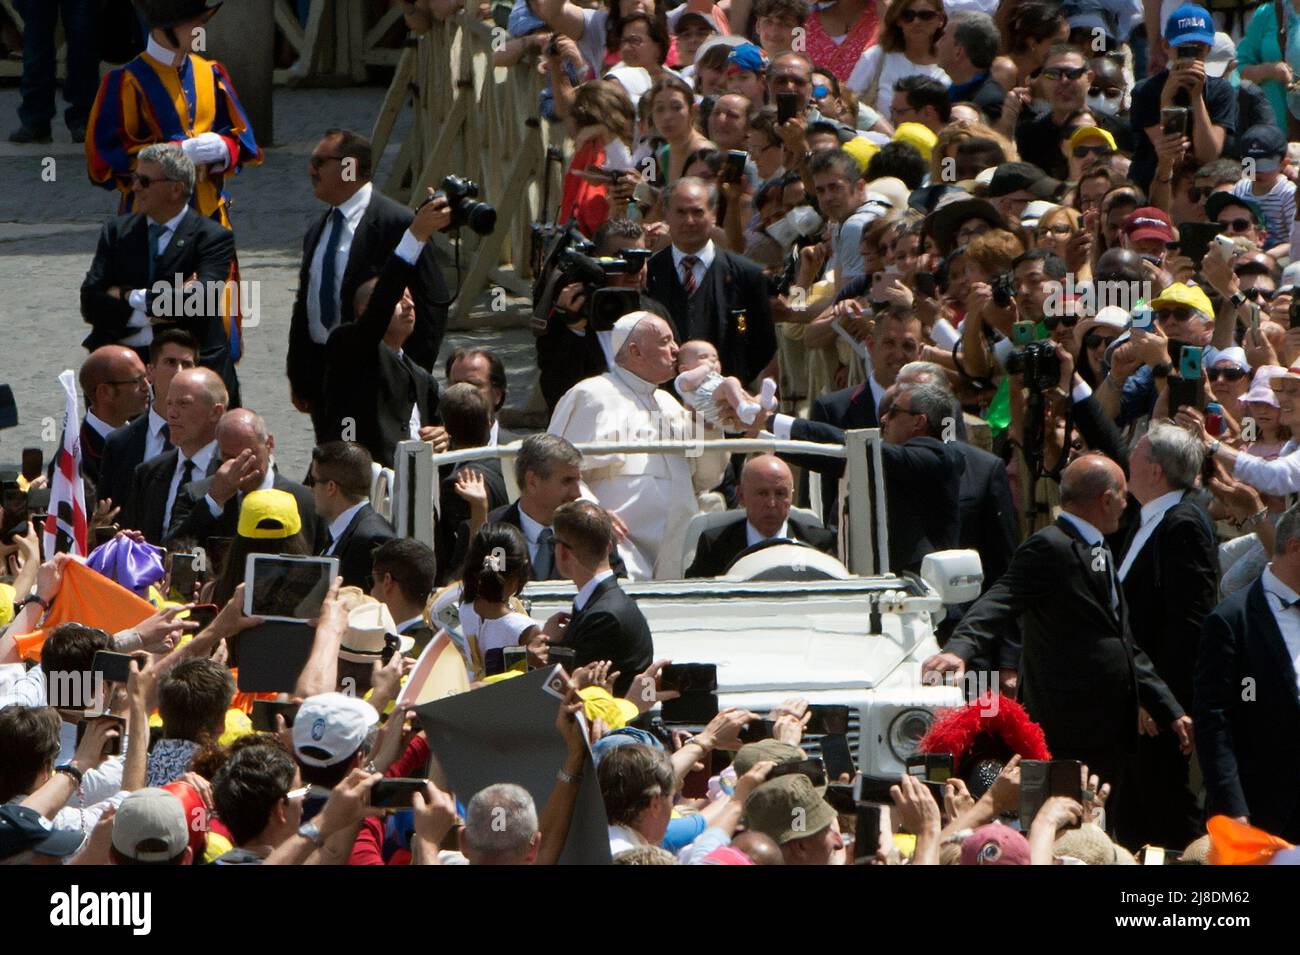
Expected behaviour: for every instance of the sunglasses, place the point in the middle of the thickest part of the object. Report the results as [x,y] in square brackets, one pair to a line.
[1258,294]
[1070,73]
[911,16]
[821,92]
[146,181]
[1237,225]
[318,162]
[1069,321]
[1105,94]
[1227,374]
[1177,314]
[1092,340]
[1099,150]
[1197,193]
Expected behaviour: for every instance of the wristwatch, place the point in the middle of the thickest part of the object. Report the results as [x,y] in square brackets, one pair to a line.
[1237,298]
[311,832]
[1213,447]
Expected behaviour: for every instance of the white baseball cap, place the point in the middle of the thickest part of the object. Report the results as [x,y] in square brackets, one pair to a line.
[330,727]
[1221,54]
[150,826]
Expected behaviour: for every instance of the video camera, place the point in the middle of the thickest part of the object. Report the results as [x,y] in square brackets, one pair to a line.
[567,260]
[462,197]
[1038,363]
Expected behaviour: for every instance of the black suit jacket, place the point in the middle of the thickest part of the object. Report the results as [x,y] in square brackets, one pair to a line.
[510,515]
[718,546]
[123,450]
[356,545]
[367,384]
[988,514]
[849,409]
[192,518]
[92,454]
[1248,742]
[199,247]
[1170,588]
[1081,676]
[147,499]
[377,235]
[737,287]
[611,627]
[922,490]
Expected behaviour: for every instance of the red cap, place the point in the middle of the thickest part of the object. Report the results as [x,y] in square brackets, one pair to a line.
[196,814]
[1148,223]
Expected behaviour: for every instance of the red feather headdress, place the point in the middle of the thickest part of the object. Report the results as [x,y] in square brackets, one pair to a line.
[991,727]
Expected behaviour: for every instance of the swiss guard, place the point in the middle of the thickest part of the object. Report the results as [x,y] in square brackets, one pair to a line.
[171,94]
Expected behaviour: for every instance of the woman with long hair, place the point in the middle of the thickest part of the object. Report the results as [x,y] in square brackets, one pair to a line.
[605,124]
[673,114]
[906,47]
[1029,29]
[275,536]
[1060,231]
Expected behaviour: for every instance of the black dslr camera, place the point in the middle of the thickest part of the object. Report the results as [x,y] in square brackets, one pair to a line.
[1038,363]
[462,197]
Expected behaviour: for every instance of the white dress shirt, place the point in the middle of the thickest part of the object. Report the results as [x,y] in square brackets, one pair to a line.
[588,588]
[154,442]
[139,319]
[781,423]
[1152,514]
[99,425]
[1280,475]
[704,259]
[532,533]
[340,524]
[352,210]
[494,434]
[754,536]
[201,459]
[1288,620]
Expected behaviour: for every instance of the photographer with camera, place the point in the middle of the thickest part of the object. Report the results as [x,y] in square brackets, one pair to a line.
[569,349]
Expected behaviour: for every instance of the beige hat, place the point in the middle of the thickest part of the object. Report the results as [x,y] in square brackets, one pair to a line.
[368,624]
[150,826]
[1112,316]
[890,190]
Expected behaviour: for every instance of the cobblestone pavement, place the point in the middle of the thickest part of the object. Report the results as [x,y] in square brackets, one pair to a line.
[48,232]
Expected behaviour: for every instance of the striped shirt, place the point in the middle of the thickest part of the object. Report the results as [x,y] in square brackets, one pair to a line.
[1278,205]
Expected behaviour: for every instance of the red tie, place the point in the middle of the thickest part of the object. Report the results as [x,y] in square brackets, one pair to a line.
[688,274]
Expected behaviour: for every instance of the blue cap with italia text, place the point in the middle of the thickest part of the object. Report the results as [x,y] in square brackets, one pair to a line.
[1190,23]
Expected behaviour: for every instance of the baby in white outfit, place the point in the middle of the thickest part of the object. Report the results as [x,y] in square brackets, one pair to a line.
[721,401]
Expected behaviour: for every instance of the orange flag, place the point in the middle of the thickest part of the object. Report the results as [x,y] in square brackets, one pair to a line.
[87,597]
[1236,843]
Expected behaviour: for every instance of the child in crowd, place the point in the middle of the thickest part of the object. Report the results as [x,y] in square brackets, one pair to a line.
[722,401]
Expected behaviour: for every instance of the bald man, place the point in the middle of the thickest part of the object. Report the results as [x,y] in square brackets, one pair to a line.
[210,507]
[196,401]
[116,389]
[652,494]
[1081,675]
[766,491]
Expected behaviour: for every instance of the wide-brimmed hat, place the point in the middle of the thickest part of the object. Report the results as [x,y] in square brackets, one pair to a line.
[161,14]
[952,211]
[1261,386]
[364,640]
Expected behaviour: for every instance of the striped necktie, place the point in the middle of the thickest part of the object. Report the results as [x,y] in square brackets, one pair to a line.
[688,274]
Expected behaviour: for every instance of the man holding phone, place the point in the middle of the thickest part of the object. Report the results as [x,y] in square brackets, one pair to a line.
[1210,102]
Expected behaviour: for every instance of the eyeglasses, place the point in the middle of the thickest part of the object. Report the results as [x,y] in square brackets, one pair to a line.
[299,793]
[1227,374]
[1069,321]
[1091,340]
[561,540]
[1043,231]
[1177,314]
[891,411]
[1236,225]
[1197,193]
[1070,73]
[319,161]
[146,181]
[1099,150]
[134,382]
[632,41]
[911,16]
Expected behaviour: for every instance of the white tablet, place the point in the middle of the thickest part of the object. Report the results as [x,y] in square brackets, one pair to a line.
[281,587]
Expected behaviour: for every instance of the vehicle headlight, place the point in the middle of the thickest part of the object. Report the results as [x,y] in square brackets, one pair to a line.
[906,731]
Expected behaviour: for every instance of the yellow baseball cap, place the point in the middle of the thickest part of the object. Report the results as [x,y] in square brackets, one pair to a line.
[1092,132]
[269,515]
[1187,296]
[861,149]
[599,704]
[918,135]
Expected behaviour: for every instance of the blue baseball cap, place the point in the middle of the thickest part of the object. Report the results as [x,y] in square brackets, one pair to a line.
[624,736]
[748,56]
[1189,24]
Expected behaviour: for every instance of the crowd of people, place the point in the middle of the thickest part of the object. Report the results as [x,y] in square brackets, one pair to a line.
[1046,249]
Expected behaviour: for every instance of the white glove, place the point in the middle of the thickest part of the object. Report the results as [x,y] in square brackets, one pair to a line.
[207,149]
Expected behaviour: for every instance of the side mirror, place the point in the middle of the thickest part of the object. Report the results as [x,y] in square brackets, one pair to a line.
[956,575]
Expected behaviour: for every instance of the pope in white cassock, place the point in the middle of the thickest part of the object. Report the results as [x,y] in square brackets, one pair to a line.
[653,494]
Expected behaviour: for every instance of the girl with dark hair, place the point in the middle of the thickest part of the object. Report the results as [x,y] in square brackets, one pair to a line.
[1028,29]
[496,569]
[596,30]
[907,46]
